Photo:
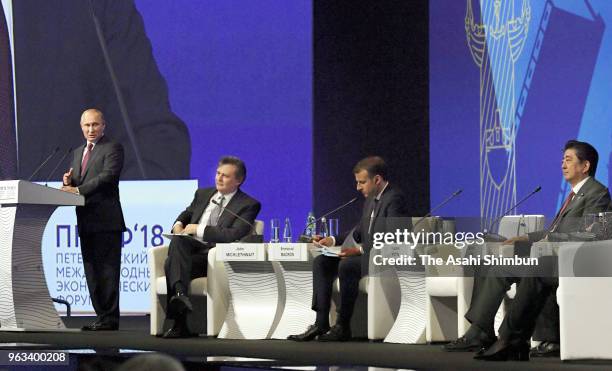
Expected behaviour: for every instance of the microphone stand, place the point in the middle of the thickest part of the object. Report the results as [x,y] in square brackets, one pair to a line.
[494,237]
[43,164]
[448,199]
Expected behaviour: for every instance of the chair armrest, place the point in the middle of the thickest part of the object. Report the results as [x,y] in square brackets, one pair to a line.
[156,257]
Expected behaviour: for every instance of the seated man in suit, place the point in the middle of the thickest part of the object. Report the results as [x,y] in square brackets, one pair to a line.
[211,217]
[588,196]
[382,201]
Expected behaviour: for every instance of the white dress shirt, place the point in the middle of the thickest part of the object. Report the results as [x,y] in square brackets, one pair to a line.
[202,223]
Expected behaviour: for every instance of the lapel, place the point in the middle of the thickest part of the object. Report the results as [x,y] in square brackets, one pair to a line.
[201,207]
[378,206]
[578,199]
[76,165]
[367,211]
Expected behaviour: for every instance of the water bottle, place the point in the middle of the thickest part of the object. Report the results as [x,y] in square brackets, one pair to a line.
[287,236]
[311,225]
[274,228]
[324,230]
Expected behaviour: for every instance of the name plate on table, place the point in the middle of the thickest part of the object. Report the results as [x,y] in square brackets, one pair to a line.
[8,192]
[287,251]
[240,252]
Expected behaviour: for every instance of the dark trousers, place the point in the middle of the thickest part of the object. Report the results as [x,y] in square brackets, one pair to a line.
[102,263]
[487,295]
[532,296]
[186,260]
[490,287]
[325,270]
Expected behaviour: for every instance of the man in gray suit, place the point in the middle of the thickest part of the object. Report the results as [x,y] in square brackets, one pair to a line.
[95,172]
[587,196]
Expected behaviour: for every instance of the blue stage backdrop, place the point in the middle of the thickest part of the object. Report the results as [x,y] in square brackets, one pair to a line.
[510,83]
[239,75]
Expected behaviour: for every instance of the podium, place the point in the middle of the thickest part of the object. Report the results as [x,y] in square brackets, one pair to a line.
[25,208]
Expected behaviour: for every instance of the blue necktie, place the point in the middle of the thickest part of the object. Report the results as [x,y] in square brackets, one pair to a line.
[8,142]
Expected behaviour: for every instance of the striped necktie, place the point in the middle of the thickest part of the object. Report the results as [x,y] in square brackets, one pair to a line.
[86,158]
[8,141]
[216,212]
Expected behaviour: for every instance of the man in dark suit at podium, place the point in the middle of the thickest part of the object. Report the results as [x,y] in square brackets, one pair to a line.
[95,172]
[211,218]
[383,201]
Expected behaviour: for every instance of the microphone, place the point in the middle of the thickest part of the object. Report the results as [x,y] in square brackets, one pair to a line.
[448,199]
[305,238]
[122,108]
[494,237]
[249,237]
[43,163]
[58,164]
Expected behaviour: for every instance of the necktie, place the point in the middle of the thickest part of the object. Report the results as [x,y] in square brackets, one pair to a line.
[569,198]
[86,158]
[214,215]
[8,142]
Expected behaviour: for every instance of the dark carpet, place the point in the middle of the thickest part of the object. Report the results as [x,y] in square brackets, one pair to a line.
[133,335]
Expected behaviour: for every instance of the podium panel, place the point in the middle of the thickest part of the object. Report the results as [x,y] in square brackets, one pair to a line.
[25,209]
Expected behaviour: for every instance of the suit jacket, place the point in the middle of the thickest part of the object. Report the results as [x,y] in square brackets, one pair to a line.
[99,184]
[60,71]
[229,228]
[390,213]
[593,197]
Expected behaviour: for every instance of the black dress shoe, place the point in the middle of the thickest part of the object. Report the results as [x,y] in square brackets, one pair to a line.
[503,350]
[471,344]
[336,333]
[179,305]
[100,326]
[308,335]
[546,349]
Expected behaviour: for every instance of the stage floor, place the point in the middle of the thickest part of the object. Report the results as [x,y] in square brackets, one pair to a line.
[211,353]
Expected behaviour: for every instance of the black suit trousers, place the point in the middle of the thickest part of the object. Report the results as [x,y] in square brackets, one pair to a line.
[532,295]
[490,287]
[102,263]
[186,260]
[325,270]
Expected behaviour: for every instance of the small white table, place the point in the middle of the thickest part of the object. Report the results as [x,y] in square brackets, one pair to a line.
[410,324]
[293,264]
[253,291]
[270,289]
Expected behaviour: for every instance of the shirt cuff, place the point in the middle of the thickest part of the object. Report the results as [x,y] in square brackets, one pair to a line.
[176,224]
[333,240]
[200,231]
